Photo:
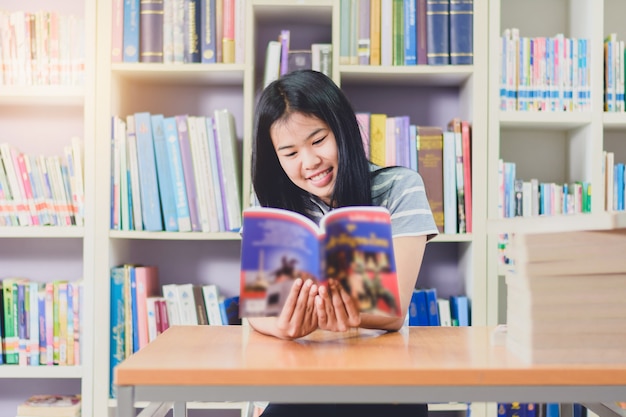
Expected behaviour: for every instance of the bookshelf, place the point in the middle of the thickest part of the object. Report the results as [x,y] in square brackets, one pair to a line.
[41,119]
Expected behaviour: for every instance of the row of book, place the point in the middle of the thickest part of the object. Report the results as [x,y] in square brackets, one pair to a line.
[517,409]
[175,173]
[614,74]
[142,308]
[41,48]
[544,73]
[281,59]
[42,190]
[518,197]
[178,31]
[40,323]
[427,309]
[442,156]
[406,32]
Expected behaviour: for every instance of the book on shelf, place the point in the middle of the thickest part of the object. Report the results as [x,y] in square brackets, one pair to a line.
[352,245]
[272,62]
[430,167]
[49,405]
[191,24]
[130,31]
[228,152]
[208,32]
[322,58]
[363,39]
[461,32]
[185,130]
[374,32]
[285,40]
[438,32]
[168,192]
[228,36]
[150,202]
[151,31]
[397,32]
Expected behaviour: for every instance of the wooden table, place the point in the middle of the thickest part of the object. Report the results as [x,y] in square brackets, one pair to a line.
[417,364]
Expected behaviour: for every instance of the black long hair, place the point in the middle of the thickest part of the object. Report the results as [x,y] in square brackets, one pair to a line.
[313,94]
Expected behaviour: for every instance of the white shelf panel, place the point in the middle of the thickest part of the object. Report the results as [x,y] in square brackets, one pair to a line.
[461,237]
[203,74]
[614,120]
[42,95]
[416,75]
[40,372]
[115,234]
[42,232]
[558,223]
[544,120]
[306,11]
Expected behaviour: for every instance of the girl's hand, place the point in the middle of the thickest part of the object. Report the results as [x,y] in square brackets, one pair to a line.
[336,310]
[298,317]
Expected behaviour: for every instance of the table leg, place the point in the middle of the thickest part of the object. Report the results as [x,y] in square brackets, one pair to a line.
[125,403]
[180,409]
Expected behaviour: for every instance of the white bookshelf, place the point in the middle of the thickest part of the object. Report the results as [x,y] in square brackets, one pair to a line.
[42,120]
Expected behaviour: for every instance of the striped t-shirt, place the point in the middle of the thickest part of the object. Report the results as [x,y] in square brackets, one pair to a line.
[401,190]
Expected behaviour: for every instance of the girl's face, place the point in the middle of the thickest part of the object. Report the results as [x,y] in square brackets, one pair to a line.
[307,151]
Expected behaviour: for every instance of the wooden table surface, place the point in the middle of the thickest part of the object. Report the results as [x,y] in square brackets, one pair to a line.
[414,356]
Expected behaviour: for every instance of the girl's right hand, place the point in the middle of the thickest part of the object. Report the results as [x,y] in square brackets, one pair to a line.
[298,317]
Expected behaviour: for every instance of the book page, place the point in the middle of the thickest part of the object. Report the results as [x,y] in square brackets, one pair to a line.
[278,246]
[359,254]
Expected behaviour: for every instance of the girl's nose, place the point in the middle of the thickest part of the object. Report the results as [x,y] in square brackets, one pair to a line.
[310,159]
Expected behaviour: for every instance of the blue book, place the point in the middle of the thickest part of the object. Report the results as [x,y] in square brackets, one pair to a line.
[433,309]
[148,182]
[164,176]
[208,32]
[231,309]
[517,409]
[437,38]
[117,330]
[531,409]
[131,31]
[177,174]
[461,32]
[459,310]
[418,309]
[133,308]
[553,410]
[410,32]
[503,409]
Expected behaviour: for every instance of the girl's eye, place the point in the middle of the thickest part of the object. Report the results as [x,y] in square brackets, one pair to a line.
[318,141]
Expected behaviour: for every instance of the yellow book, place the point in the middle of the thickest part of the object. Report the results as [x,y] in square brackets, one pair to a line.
[378,135]
[375,32]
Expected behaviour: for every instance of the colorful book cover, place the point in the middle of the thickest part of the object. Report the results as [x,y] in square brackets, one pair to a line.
[418,309]
[352,245]
[212,297]
[117,330]
[11,338]
[410,32]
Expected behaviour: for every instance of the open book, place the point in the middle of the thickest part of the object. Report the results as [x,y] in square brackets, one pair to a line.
[352,245]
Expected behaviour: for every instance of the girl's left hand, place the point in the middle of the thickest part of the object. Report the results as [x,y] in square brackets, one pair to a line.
[336,310]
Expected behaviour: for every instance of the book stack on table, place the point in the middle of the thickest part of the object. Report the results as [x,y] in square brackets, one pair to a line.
[566,289]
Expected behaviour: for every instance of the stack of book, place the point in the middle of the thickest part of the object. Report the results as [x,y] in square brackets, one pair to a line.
[565,290]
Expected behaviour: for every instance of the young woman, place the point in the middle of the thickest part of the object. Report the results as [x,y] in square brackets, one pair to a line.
[308,157]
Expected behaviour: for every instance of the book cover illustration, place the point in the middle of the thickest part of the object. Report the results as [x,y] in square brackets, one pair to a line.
[352,245]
